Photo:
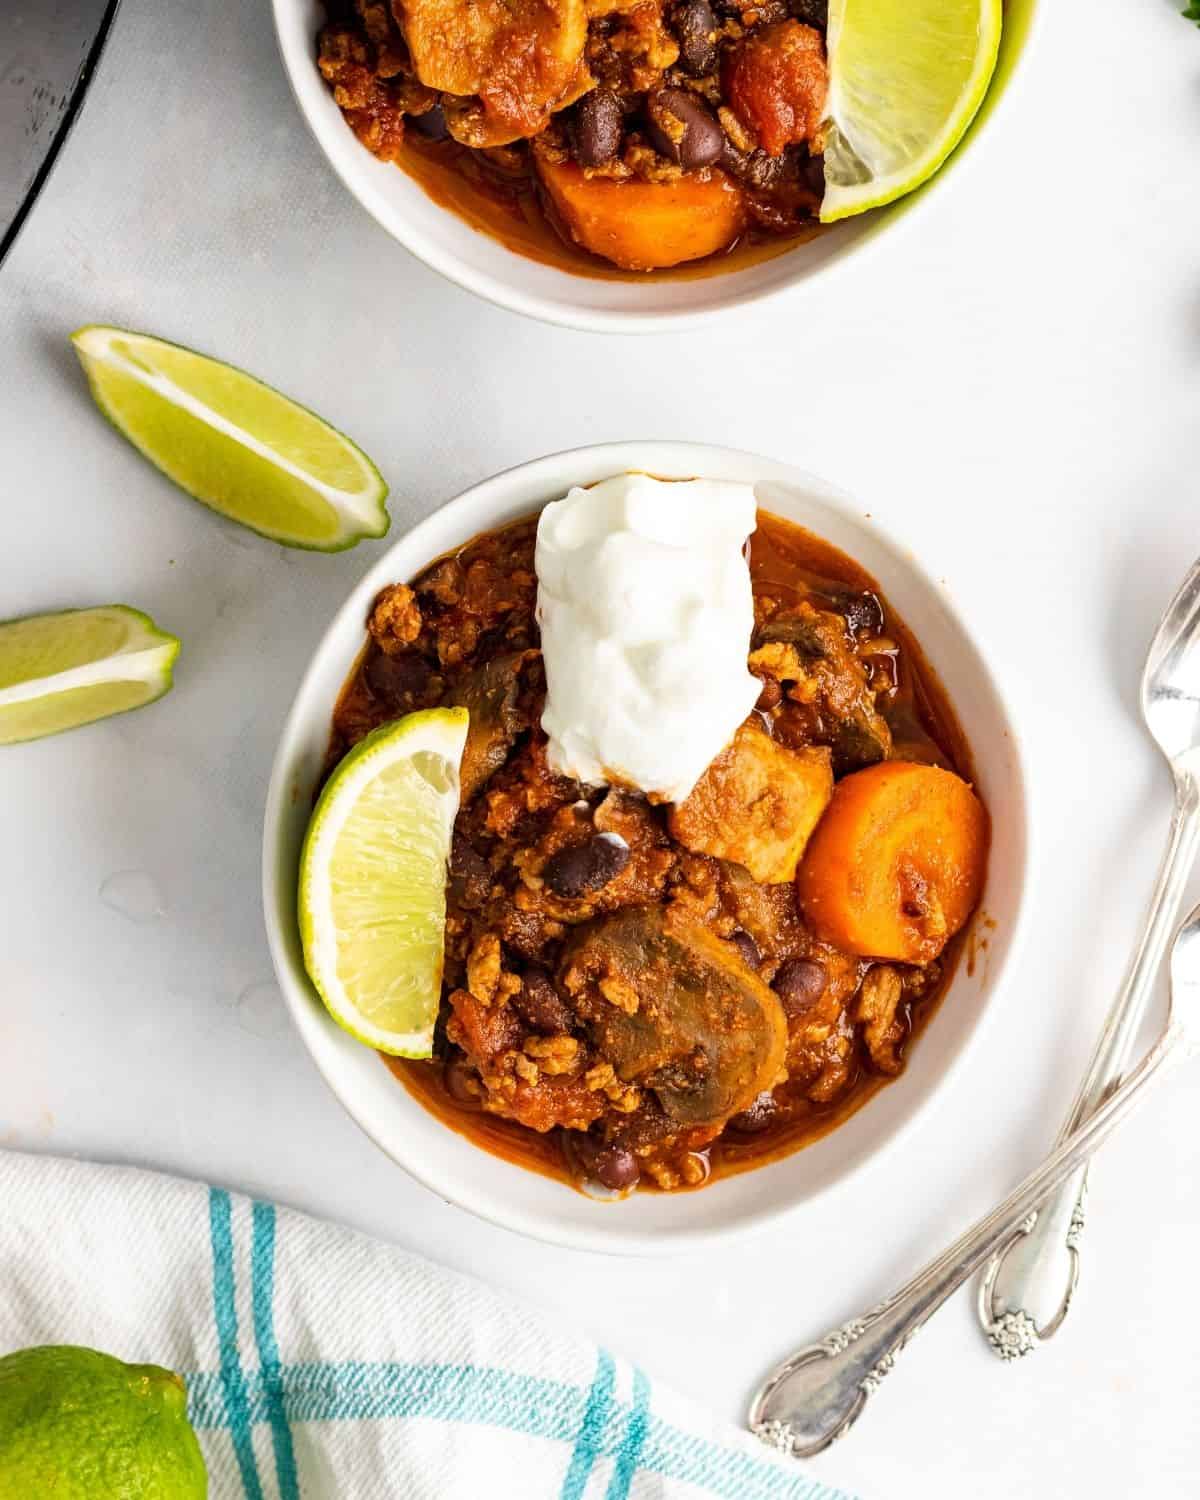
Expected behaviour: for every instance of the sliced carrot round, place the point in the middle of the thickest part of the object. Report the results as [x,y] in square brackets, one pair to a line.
[896,864]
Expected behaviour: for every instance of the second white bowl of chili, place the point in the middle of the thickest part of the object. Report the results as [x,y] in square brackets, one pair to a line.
[511,256]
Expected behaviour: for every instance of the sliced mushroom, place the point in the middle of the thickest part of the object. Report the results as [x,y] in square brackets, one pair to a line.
[676,1011]
[489,694]
[853,727]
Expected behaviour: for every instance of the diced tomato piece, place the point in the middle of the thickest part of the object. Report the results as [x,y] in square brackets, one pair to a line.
[776,81]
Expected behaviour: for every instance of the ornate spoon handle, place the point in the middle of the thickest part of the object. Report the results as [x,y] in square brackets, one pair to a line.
[814,1397]
[1024,1280]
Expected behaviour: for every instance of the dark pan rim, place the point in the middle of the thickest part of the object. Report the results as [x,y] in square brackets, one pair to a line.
[79,89]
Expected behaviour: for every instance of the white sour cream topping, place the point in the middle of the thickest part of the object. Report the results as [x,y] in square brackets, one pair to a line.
[646,614]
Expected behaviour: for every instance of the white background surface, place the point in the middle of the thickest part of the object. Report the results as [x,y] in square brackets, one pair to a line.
[1012,379]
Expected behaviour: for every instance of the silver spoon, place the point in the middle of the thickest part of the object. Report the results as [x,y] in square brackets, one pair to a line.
[1025,1278]
[814,1397]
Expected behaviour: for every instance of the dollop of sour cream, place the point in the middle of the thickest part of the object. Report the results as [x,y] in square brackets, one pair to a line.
[646,614]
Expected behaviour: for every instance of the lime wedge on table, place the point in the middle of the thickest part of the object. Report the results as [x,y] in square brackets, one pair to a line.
[372,900]
[62,670]
[234,443]
[905,80]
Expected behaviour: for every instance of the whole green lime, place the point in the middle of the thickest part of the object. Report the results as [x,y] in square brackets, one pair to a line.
[79,1425]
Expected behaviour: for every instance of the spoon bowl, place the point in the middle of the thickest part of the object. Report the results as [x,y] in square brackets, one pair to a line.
[1171,680]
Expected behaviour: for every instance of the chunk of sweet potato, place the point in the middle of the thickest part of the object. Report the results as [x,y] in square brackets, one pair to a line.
[896,865]
[776,80]
[757,804]
[519,56]
[641,226]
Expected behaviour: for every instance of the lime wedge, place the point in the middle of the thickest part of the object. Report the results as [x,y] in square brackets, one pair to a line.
[62,670]
[233,443]
[372,900]
[905,80]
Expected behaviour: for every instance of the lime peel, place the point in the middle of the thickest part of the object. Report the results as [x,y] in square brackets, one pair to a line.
[906,78]
[81,1425]
[372,889]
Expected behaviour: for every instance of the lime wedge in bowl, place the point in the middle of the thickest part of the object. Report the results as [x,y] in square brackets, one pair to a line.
[234,443]
[906,78]
[59,671]
[372,897]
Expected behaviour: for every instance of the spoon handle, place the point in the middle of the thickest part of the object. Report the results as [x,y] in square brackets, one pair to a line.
[815,1396]
[1025,1280]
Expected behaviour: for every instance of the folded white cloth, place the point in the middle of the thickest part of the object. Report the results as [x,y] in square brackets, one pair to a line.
[322,1365]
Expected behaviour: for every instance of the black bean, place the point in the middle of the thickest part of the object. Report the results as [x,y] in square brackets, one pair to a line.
[617,1168]
[462,1083]
[695,26]
[811,12]
[395,678]
[862,611]
[758,1116]
[800,983]
[747,947]
[539,1004]
[611,1165]
[582,868]
[431,125]
[755,169]
[595,128]
[683,129]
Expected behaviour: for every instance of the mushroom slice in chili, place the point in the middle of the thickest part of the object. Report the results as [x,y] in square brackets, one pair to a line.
[676,1011]
[489,694]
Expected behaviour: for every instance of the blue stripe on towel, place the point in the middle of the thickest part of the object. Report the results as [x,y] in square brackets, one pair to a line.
[630,1450]
[233,1384]
[357,1392]
[595,1415]
[363,1392]
[262,1284]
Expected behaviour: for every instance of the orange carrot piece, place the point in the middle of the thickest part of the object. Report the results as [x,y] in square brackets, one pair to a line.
[644,225]
[896,865]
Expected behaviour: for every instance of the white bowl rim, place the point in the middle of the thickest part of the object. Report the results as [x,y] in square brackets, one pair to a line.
[666,457]
[859,233]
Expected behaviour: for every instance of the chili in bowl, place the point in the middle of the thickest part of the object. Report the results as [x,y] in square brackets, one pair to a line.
[685,179]
[647,993]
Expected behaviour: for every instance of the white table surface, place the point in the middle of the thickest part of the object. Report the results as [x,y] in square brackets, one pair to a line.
[1013,382]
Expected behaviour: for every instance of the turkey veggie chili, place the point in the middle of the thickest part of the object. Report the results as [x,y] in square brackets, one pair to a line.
[646,134]
[715,844]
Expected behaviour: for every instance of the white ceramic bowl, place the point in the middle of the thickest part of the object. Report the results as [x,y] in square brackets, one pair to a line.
[482,265]
[647,1223]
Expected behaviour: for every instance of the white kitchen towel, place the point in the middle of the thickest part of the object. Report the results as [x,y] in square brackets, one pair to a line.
[323,1365]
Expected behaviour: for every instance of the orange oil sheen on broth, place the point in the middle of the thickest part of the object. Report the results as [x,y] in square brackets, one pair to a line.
[509,208]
